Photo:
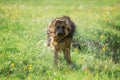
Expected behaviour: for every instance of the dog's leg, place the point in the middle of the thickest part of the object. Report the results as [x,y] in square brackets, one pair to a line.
[67,56]
[55,57]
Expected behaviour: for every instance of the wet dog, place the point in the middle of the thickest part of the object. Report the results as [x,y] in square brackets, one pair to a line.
[60,33]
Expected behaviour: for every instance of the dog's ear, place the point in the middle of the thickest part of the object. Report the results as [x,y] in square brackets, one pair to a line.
[50,28]
[68,25]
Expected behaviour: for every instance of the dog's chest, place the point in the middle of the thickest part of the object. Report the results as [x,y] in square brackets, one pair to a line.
[62,44]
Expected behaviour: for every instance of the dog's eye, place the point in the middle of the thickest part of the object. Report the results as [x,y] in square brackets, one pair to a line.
[63,27]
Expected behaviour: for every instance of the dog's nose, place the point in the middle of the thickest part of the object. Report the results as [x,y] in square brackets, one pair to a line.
[60,32]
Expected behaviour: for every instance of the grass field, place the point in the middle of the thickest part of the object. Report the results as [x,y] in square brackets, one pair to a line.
[23,55]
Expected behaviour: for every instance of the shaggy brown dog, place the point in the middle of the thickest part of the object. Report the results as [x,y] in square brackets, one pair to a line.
[60,33]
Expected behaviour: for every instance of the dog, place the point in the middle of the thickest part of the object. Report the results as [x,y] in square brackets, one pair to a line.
[60,33]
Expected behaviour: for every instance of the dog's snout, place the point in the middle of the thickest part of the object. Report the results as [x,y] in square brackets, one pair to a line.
[60,32]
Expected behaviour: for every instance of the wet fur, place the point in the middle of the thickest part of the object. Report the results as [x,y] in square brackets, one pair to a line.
[63,42]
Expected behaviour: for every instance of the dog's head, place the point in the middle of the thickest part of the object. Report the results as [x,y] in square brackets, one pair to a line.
[62,28]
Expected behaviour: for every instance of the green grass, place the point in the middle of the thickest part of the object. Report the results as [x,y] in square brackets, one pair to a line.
[23,55]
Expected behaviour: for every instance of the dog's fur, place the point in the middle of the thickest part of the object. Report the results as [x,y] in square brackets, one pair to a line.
[59,34]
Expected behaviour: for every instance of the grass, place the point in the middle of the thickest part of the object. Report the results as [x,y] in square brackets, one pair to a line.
[23,55]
